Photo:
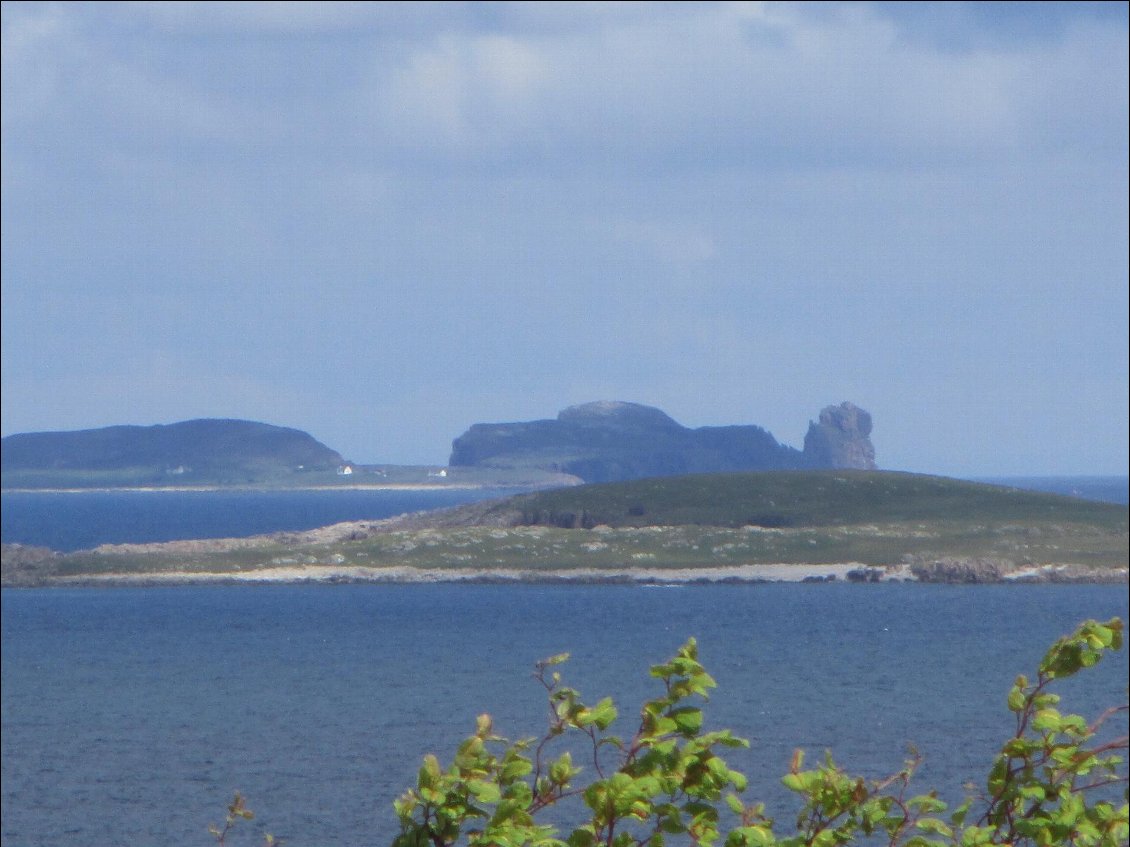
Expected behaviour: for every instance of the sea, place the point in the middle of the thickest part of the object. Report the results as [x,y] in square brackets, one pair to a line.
[130,716]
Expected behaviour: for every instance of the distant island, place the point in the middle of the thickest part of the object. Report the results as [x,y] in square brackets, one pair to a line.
[612,441]
[192,453]
[595,442]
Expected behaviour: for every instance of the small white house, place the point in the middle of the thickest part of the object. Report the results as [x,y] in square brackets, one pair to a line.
[345,470]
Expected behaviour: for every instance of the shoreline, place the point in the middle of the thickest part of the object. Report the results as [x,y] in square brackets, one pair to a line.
[404,574]
[845,572]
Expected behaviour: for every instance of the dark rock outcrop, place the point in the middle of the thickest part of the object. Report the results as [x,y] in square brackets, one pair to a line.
[961,571]
[609,441]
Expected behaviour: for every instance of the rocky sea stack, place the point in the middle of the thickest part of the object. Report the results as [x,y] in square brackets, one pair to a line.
[841,438]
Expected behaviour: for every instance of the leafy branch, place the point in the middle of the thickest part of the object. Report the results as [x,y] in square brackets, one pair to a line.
[1051,784]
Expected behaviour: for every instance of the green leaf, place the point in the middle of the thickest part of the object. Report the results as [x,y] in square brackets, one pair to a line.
[795,782]
[485,792]
[1047,719]
[934,825]
[688,721]
[604,713]
[1016,699]
[562,770]
[516,768]
[429,774]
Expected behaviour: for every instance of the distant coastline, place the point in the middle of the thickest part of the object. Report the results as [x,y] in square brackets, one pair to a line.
[189,489]
[1103,488]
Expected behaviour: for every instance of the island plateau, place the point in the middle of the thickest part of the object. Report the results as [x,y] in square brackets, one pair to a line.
[610,441]
[197,452]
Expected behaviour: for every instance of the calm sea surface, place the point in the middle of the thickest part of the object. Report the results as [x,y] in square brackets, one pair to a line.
[131,715]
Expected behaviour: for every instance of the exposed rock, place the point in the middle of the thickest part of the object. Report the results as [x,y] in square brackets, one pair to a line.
[986,570]
[841,439]
[951,570]
[865,574]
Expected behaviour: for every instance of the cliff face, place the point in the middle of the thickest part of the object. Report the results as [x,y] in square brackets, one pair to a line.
[609,441]
[188,449]
[841,438]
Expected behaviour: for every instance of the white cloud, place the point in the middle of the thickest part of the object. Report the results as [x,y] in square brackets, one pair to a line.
[623,89]
[723,88]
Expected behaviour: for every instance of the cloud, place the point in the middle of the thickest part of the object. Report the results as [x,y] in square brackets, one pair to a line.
[725,89]
[620,90]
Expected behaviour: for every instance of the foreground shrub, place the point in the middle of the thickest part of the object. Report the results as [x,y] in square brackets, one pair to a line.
[1053,782]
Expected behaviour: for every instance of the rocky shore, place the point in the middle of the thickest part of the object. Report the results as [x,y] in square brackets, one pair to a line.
[39,567]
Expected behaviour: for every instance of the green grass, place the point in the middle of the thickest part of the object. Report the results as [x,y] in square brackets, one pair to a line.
[784,499]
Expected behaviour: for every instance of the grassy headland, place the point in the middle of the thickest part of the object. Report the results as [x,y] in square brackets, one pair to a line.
[780,499]
[886,524]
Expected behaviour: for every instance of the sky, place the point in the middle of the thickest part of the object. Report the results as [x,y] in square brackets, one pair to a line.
[381,223]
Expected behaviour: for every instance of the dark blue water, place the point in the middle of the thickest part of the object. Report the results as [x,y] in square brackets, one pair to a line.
[69,521]
[130,715]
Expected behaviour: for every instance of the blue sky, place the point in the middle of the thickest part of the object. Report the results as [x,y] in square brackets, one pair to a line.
[382,223]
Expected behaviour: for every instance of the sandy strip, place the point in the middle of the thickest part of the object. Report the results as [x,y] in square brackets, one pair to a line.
[350,573]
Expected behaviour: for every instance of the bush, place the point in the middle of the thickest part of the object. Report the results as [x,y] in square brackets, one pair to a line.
[1051,783]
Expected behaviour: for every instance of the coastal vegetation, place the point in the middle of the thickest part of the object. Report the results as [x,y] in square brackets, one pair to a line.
[871,525]
[1059,778]
[797,499]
